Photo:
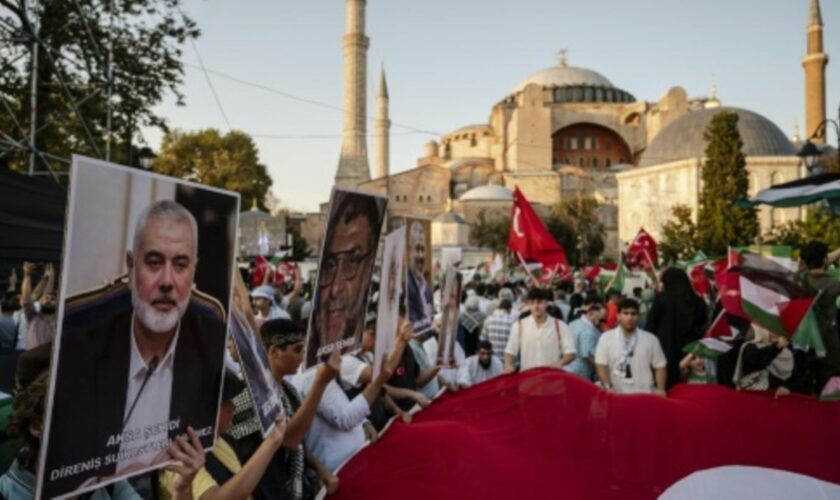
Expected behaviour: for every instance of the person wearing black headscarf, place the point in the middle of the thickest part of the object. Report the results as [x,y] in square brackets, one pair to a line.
[677,317]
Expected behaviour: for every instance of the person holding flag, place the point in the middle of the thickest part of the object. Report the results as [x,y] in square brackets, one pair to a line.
[530,240]
[766,362]
[642,252]
[677,317]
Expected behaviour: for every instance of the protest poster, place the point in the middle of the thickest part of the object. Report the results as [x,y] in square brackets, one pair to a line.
[390,286]
[418,283]
[450,306]
[252,357]
[137,361]
[344,274]
[451,256]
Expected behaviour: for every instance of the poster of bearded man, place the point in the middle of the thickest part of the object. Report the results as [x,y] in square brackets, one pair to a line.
[344,274]
[418,283]
[450,305]
[139,360]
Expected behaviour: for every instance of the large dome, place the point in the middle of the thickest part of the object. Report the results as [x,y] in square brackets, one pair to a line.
[565,76]
[684,137]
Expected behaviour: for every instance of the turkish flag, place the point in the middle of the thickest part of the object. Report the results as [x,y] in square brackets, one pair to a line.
[529,237]
[261,266]
[699,280]
[642,252]
[286,272]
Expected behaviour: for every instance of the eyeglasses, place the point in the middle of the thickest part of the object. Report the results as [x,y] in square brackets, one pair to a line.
[345,264]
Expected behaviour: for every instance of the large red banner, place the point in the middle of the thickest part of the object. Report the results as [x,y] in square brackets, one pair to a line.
[547,434]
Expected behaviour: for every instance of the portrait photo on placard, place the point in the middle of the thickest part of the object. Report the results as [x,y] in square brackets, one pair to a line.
[390,289]
[419,287]
[145,294]
[345,270]
[249,351]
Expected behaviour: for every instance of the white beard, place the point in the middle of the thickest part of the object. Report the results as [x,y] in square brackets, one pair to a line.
[154,320]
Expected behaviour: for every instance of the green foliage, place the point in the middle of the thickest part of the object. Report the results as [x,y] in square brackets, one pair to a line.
[820,224]
[146,37]
[576,225]
[490,232]
[720,223]
[227,161]
[679,235]
[300,248]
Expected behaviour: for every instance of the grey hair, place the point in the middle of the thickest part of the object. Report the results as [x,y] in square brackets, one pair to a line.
[167,210]
[417,231]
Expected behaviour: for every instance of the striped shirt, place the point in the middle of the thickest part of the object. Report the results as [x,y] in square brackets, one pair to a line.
[497,330]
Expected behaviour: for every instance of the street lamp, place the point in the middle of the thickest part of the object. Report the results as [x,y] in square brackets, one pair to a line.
[810,151]
[809,154]
[146,157]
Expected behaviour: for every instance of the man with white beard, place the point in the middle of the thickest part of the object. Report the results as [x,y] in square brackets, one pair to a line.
[142,377]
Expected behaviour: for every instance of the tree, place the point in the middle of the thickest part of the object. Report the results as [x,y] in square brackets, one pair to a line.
[679,236]
[820,224]
[73,74]
[300,247]
[576,225]
[719,222]
[490,232]
[227,161]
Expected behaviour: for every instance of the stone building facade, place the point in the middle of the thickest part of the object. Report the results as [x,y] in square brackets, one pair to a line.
[565,132]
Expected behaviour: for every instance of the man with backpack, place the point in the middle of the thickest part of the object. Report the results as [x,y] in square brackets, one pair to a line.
[538,339]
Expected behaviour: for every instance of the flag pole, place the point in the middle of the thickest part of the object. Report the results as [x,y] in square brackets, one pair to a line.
[652,268]
[525,268]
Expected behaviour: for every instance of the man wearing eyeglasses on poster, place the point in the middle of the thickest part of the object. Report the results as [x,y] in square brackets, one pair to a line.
[344,275]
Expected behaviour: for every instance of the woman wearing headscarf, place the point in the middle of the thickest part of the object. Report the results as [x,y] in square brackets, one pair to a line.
[765,362]
[470,322]
[677,317]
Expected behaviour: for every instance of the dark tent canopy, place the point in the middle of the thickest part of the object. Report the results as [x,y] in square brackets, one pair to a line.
[31,221]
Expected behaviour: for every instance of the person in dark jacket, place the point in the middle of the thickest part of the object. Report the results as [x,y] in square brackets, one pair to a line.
[677,317]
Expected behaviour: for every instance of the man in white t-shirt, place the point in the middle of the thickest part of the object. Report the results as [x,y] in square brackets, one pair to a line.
[538,339]
[627,357]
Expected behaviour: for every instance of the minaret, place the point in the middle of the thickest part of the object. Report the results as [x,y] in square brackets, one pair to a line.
[713,101]
[814,63]
[381,130]
[353,166]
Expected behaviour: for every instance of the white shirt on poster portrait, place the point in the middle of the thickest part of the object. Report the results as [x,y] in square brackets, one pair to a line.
[152,405]
[450,375]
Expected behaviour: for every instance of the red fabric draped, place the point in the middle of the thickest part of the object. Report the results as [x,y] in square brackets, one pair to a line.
[547,434]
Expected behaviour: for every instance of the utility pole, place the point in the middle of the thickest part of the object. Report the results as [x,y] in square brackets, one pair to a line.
[33,99]
[110,70]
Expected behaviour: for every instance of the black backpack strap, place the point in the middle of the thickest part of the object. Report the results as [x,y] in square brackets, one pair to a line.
[215,467]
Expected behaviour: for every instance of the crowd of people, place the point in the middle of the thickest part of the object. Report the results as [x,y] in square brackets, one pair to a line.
[634,343]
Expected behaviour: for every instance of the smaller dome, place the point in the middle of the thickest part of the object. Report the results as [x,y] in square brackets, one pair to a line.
[477,127]
[255,214]
[451,217]
[490,192]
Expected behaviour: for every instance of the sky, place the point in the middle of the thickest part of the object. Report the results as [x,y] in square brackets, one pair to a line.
[449,61]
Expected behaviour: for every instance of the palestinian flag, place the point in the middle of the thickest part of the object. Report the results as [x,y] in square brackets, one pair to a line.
[709,348]
[774,300]
[799,192]
[721,328]
[780,254]
[613,279]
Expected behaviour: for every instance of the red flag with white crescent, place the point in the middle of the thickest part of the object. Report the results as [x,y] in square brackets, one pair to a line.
[642,252]
[529,237]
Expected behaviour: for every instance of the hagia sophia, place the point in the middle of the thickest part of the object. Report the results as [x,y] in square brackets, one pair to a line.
[564,132]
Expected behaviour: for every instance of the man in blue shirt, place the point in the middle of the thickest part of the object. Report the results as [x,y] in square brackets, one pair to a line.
[585,332]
